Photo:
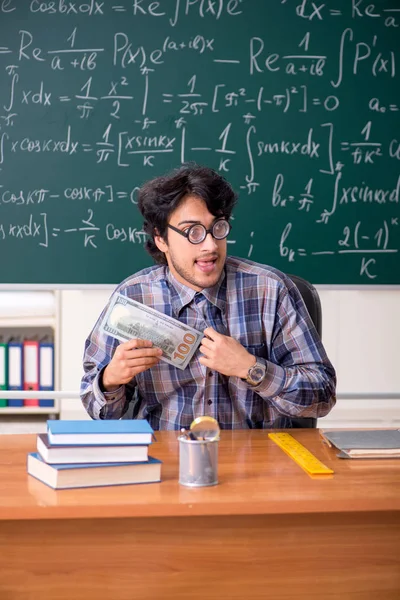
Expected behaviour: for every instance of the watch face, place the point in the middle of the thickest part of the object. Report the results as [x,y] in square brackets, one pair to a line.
[257,373]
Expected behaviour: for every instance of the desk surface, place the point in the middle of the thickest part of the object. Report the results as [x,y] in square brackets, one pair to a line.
[255,475]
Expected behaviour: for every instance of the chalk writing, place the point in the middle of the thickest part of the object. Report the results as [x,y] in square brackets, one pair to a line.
[296,103]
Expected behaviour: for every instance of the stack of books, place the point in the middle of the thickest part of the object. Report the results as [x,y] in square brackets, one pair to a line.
[76,454]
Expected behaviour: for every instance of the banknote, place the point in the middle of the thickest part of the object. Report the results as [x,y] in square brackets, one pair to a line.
[127,319]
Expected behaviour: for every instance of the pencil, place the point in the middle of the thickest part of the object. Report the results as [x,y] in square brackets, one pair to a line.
[324,439]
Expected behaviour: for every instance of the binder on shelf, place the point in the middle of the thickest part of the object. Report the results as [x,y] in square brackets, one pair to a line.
[31,369]
[15,370]
[3,371]
[46,370]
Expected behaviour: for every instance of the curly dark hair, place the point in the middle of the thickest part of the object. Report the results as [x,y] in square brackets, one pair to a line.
[159,197]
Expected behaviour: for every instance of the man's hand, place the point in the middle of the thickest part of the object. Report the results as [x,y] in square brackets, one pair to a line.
[225,355]
[130,358]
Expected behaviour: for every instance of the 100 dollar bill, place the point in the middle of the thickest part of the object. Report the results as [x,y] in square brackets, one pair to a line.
[127,319]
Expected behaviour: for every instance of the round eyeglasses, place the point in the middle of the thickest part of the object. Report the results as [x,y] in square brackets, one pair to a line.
[197,233]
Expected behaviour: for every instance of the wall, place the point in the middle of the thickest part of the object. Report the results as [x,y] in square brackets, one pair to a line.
[361,333]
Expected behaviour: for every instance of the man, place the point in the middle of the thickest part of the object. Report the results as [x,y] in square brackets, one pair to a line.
[260,363]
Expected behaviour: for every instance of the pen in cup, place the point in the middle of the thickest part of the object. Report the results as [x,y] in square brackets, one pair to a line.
[189,435]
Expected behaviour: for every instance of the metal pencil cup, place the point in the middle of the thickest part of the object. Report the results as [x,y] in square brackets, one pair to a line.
[198,462]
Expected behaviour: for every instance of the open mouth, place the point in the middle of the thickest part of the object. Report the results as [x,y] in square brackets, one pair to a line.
[206,265]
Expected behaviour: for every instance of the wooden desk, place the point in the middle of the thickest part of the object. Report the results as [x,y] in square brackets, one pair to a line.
[267,531]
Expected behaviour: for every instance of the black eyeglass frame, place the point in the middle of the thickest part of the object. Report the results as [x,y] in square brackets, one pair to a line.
[206,231]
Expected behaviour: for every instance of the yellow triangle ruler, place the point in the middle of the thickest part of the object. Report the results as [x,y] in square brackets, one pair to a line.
[300,454]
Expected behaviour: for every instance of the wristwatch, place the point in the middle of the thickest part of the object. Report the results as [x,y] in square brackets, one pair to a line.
[256,373]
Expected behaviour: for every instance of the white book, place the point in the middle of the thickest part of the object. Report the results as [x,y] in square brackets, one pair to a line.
[87,454]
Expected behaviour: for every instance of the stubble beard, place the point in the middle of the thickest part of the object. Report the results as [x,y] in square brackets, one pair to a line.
[189,279]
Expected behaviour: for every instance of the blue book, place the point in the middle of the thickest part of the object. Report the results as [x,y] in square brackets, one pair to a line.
[73,475]
[81,433]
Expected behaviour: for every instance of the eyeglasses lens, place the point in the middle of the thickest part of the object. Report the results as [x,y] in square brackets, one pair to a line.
[197,234]
[221,229]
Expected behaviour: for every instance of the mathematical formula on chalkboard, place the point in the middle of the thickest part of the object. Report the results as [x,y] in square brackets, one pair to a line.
[296,103]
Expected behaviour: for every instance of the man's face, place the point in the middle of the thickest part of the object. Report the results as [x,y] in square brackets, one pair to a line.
[198,266]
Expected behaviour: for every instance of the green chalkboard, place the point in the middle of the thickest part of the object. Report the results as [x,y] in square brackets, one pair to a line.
[295,102]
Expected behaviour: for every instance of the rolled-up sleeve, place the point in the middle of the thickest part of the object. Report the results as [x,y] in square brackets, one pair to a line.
[300,380]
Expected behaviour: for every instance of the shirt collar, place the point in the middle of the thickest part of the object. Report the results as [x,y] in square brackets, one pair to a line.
[182,295]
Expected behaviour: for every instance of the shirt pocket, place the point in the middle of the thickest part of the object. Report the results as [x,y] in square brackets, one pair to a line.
[257,350]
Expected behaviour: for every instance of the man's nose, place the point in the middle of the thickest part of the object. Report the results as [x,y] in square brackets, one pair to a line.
[209,242]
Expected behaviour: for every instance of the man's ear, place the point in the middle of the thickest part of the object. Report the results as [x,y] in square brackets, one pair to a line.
[160,242]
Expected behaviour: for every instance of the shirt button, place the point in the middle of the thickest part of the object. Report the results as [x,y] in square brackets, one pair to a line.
[210,374]
[209,402]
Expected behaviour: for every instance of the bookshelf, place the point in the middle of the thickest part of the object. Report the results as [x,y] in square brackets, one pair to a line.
[31,410]
[27,314]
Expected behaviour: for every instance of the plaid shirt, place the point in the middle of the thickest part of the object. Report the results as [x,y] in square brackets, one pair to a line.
[253,303]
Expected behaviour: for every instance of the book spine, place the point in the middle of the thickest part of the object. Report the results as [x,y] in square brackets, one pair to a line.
[3,371]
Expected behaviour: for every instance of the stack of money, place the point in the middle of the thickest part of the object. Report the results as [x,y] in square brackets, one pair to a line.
[127,319]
